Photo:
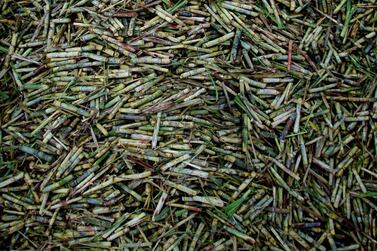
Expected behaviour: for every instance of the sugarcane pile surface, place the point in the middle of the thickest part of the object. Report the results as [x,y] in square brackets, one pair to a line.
[188,125]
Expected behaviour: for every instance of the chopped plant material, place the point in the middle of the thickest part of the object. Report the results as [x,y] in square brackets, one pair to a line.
[188,125]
